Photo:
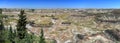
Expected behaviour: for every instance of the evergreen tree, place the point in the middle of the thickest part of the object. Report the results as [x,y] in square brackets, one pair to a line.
[42,39]
[29,38]
[0,11]
[1,22]
[2,40]
[11,35]
[21,25]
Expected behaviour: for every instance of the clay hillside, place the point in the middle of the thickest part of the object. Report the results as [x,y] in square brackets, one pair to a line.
[70,25]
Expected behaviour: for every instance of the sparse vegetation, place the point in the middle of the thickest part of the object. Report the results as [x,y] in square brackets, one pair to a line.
[58,26]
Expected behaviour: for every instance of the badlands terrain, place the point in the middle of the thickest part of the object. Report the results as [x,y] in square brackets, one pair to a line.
[70,25]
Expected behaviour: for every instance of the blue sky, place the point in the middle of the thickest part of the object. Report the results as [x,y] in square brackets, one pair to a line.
[59,3]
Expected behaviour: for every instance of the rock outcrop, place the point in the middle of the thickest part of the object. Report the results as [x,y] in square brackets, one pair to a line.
[114,34]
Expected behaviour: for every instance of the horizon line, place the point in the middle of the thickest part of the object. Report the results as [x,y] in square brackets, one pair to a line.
[59,8]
